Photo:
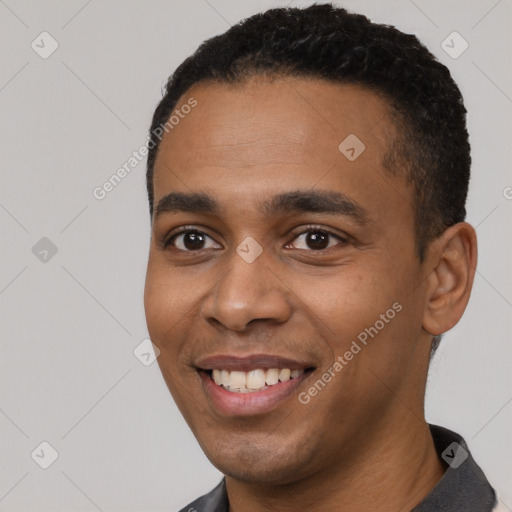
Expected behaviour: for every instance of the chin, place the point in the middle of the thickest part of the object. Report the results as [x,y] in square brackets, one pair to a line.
[266,461]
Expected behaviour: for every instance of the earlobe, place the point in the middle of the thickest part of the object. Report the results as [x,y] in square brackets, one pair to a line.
[454,258]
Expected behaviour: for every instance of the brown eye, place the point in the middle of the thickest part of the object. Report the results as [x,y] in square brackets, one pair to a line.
[316,239]
[192,240]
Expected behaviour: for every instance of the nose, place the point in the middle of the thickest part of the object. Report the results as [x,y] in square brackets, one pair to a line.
[247,293]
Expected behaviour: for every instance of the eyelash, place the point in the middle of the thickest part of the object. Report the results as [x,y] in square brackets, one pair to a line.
[309,229]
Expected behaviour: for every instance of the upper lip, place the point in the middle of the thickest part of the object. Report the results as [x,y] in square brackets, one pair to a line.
[249,362]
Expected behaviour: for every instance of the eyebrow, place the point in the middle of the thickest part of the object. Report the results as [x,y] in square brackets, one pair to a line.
[191,203]
[294,202]
[328,202]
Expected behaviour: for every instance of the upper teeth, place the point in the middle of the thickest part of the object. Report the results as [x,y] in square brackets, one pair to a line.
[254,380]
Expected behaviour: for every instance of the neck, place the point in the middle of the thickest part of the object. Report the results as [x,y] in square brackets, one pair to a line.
[396,467]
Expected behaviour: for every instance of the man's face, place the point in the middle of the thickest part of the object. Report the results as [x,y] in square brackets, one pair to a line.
[296,252]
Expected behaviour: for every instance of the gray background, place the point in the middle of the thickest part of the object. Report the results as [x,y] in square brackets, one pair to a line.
[69,324]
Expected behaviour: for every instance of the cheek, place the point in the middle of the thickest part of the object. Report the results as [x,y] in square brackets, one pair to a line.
[346,301]
[165,303]
[362,306]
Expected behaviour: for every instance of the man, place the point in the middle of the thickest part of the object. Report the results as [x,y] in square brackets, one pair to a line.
[307,177]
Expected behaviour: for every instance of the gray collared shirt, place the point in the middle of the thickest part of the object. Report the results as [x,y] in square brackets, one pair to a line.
[462,488]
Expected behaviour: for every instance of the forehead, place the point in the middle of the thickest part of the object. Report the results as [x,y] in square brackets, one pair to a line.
[274,132]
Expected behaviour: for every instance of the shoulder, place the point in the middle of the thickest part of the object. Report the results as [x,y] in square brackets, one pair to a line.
[500,505]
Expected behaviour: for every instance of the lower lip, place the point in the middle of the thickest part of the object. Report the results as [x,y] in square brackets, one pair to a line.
[229,403]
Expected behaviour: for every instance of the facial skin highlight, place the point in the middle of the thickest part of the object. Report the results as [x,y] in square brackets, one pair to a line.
[257,158]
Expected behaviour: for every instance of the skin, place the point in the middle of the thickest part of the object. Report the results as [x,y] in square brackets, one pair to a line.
[361,443]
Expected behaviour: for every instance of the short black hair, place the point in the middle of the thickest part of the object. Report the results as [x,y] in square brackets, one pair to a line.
[326,42]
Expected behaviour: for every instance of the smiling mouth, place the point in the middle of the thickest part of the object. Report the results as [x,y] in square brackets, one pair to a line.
[252,384]
[252,381]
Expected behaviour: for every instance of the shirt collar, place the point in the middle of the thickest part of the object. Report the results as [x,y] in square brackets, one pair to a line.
[463,487]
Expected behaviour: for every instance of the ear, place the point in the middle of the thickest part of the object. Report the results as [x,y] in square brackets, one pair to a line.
[453,259]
